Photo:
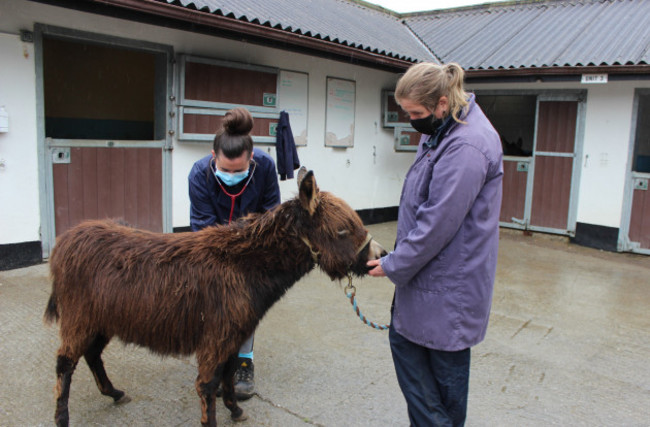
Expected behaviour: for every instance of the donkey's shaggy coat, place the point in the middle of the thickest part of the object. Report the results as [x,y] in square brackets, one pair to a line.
[202,292]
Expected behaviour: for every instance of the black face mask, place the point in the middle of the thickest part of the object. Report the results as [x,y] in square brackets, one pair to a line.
[427,125]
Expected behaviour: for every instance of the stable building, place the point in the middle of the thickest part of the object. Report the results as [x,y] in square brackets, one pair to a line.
[107,104]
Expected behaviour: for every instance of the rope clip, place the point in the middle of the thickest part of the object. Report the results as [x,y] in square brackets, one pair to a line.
[350,289]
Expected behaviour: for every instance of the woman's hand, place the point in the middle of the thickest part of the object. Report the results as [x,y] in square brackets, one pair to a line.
[376,270]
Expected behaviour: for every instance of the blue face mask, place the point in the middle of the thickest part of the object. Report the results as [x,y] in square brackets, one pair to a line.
[231,179]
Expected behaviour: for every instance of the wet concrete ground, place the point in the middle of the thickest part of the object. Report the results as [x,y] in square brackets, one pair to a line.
[568,345]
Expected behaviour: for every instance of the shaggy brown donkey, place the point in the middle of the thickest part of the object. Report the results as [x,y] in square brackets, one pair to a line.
[202,292]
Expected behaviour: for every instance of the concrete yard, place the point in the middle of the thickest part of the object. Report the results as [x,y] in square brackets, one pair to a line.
[568,345]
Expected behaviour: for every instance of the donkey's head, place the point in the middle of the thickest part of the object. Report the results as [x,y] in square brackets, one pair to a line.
[334,233]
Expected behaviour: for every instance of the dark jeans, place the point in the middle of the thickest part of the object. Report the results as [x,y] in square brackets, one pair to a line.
[434,383]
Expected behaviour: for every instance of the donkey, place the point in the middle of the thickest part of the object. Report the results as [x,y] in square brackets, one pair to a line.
[200,292]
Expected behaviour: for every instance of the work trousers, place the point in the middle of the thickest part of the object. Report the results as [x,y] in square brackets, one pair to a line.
[435,383]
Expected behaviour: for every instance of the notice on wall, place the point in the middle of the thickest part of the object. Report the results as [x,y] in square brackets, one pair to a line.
[339,115]
[294,90]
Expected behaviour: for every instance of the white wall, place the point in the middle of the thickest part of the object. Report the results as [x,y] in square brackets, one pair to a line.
[19,205]
[605,155]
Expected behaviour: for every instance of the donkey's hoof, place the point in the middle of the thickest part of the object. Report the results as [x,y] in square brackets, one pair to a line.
[122,400]
[241,417]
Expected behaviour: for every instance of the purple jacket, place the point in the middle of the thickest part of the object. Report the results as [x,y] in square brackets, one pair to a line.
[445,258]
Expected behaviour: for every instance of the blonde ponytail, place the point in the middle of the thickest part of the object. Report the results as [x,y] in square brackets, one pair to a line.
[456,95]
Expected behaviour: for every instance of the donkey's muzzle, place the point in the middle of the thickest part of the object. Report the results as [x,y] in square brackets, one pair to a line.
[375,250]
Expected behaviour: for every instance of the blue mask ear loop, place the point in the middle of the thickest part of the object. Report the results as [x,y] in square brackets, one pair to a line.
[234,196]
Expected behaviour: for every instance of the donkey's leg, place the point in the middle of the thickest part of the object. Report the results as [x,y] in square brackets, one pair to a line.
[206,387]
[93,357]
[207,382]
[65,367]
[73,345]
[229,398]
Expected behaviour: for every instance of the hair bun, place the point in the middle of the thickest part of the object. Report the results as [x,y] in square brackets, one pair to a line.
[238,121]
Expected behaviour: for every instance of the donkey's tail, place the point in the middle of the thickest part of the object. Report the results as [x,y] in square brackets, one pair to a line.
[51,312]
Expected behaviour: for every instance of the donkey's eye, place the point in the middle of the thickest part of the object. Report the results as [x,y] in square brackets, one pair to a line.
[343,233]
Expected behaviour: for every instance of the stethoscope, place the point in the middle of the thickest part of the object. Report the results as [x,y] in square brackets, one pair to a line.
[233,196]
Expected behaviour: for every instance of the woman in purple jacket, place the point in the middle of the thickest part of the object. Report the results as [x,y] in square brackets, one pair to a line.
[444,261]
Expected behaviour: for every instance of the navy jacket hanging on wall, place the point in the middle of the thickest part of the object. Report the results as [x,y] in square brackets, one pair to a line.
[285,148]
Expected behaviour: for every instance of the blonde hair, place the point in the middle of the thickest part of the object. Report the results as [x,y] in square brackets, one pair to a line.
[425,83]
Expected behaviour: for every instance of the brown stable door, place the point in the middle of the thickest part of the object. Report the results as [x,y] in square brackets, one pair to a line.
[554,158]
[117,183]
[105,129]
[640,215]
[639,226]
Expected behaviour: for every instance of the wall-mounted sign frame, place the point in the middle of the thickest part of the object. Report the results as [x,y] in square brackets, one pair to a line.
[392,113]
[294,98]
[406,138]
[339,112]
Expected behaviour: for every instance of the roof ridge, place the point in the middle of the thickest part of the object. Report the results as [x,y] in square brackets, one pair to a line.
[496,5]
[374,7]
[419,39]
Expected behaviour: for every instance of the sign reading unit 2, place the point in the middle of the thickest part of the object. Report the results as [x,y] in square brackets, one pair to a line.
[593,78]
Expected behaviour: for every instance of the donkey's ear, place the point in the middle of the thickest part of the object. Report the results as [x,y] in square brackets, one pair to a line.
[301,175]
[308,192]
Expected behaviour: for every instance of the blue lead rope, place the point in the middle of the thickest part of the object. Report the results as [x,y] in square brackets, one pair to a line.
[350,291]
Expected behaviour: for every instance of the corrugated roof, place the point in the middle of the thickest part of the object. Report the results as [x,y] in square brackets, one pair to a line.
[552,33]
[343,22]
[519,34]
